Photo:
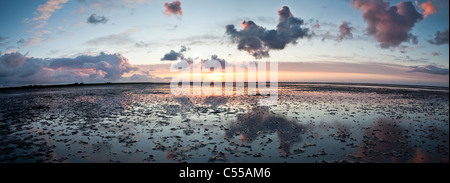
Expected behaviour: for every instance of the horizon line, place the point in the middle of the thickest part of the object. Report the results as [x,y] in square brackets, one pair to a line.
[415,86]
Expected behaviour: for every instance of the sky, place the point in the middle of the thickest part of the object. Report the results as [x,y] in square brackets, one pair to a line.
[92,41]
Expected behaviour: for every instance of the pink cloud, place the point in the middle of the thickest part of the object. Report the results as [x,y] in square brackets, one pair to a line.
[173,8]
[389,25]
[428,8]
[40,20]
[345,31]
[45,11]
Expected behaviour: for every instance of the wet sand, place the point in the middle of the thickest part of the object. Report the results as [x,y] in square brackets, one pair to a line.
[144,123]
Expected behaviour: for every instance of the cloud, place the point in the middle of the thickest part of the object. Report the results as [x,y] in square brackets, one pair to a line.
[173,8]
[133,2]
[112,66]
[183,49]
[173,55]
[96,19]
[40,20]
[199,39]
[317,25]
[429,69]
[139,78]
[258,41]
[325,36]
[17,69]
[345,31]
[114,39]
[45,11]
[3,41]
[214,57]
[20,41]
[141,44]
[440,38]
[33,41]
[101,5]
[428,8]
[13,61]
[413,39]
[390,25]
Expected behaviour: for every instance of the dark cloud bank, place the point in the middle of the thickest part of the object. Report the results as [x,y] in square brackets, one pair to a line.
[429,69]
[17,69]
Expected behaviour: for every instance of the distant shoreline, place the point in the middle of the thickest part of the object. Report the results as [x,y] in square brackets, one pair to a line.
[284,83]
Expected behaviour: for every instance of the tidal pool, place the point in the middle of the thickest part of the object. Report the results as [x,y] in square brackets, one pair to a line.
[145,123]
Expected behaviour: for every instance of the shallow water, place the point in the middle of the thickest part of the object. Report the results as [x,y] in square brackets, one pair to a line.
[145,123]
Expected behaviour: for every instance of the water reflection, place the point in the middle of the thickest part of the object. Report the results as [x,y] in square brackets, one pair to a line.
[261,121]
[388,142]
[145,123]
[186,106]
[215,101]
